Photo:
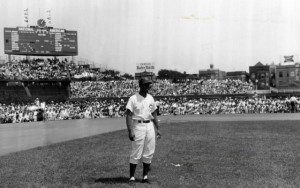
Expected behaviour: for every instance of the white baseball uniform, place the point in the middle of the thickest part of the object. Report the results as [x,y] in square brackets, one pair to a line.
[143,145]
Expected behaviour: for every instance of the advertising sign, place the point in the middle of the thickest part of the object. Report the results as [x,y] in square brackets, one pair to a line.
[142,67]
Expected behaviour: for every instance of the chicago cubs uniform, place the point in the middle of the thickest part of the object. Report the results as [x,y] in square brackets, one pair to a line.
[144,144]
[141,118]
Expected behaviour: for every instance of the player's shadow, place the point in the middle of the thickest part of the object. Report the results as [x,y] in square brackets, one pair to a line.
[112,180]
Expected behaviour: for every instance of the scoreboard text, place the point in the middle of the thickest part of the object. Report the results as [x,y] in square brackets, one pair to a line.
[40,41]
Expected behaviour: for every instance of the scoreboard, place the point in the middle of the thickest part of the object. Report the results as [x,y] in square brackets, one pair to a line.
[37,41]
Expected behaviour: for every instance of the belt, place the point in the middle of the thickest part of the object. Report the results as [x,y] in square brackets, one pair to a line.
[145,121]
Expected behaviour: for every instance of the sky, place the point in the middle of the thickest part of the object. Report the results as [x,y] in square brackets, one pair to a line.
[181,35]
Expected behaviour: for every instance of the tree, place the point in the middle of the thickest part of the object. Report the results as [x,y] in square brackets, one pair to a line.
[112,73]
[170,74]
[128,76]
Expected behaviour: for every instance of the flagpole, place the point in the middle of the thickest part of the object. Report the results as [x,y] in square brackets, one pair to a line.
[279,59]
[39,9]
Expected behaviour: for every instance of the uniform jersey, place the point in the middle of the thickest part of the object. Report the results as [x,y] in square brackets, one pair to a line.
[141,107]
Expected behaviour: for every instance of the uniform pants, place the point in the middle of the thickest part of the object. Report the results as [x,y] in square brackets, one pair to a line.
[143,145]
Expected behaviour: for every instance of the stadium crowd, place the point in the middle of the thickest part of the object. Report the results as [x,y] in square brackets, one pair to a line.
[228,106]
[125,88]
[39,111]
[36,69]
[47,69]
[103,89]
[172,98]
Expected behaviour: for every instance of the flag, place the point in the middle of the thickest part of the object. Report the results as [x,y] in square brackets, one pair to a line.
[288,58]
[26,16]
[48,16]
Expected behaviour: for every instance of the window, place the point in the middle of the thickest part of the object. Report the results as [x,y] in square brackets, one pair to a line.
[280,74]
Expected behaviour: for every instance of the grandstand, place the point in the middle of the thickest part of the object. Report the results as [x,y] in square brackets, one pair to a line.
[51,63]
[28,79]
[73,88]
[27,91]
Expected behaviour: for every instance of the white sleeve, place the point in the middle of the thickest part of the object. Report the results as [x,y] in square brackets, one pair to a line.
[129,105]
[154,105]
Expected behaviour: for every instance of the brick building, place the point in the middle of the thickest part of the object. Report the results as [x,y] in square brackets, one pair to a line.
[212,74]
[288,76]
[263,76]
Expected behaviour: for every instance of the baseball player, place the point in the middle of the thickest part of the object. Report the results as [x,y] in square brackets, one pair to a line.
[141,117]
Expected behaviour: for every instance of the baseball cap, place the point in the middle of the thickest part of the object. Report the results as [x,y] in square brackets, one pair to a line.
[143,81]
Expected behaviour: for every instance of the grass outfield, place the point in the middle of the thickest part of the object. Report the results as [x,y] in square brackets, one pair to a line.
[191,154]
